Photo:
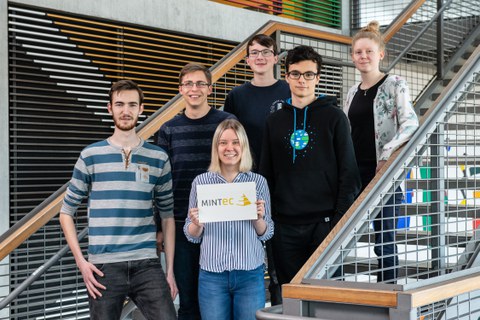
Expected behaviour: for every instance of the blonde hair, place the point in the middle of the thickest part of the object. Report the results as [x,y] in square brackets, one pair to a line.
[246,161]
[372,32]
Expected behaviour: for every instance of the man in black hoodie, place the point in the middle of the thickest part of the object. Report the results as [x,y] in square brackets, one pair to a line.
[309,162]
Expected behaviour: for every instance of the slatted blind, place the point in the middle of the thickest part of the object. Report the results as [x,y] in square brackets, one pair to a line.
[61,67]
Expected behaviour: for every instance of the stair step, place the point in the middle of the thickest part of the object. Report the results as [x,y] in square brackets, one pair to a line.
[452,211]
[449,184]
[413,269]
[422,238]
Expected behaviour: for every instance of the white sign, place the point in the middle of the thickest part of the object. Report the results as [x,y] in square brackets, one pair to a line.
[226,202]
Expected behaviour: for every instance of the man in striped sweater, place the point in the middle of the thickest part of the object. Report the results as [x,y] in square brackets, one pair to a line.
[187,138]
[123,177]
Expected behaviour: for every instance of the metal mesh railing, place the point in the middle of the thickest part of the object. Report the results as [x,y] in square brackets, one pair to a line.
[460,18]
[437,183]
[432,44]
[465,307]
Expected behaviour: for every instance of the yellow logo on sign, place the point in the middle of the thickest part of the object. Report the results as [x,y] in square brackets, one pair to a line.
[244,201]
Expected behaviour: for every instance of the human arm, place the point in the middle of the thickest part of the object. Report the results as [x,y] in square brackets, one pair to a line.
[229,104]
[348,176]
[160,242]
[404,116]
[163,197]
[86,268]
[77,191]
[161,139]
[266,166]
[168,227]
[193,229]
[264,223]
[259,224]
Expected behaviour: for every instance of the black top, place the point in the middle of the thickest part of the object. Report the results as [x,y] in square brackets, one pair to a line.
[361,119]
[309,162]
[188,143]
[251,105]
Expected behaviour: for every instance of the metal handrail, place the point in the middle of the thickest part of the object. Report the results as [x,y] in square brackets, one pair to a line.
[39,272]
[418,36]
[327,251]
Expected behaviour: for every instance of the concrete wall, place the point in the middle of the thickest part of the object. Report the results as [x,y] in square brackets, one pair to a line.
[200,17]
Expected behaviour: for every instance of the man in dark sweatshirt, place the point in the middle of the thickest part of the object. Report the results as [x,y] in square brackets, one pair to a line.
[309,162]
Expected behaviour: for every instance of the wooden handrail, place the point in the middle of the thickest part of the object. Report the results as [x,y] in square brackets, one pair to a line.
[443,291]
[384,298]
[378,298]
[402,19]
[23,229]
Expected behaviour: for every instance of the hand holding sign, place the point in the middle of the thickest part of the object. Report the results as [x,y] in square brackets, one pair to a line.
[193,215]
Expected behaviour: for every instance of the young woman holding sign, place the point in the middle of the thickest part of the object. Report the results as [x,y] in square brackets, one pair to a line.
[231,283]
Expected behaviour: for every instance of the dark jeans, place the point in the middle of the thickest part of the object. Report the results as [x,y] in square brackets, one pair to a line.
[186,268]
[141,280]
[385,243]
[273,287]
[293,244]
[384,225]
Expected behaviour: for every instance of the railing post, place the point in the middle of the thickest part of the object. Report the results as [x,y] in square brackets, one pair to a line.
[437,206]
[440,44]
[277,69]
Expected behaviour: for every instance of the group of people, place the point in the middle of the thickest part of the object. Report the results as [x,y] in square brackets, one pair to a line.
[307,158]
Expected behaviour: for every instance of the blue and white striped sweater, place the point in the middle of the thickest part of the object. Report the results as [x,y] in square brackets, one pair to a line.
[121,196]
[231,245]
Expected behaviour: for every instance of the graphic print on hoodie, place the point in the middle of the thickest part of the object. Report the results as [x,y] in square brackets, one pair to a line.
[300,137]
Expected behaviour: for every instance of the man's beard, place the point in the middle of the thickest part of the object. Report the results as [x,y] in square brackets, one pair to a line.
[125,127]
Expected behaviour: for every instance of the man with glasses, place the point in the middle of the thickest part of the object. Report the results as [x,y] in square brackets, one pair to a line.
[187,138]
[309,163]
[252,102]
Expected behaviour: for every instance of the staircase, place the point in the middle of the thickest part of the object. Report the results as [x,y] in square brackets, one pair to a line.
[437,234]
[449,70]
[442,243]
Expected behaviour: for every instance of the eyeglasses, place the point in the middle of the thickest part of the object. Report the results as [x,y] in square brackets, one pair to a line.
[295,75]
[199,84]
[264,52]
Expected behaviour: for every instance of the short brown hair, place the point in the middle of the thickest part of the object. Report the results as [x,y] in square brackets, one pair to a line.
[192,67]
[303,53]
[262,40]
[123,85]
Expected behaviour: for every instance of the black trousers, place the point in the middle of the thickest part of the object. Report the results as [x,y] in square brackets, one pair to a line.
[293,244]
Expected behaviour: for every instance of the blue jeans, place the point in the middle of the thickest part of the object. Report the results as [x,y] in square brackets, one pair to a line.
[385,243]
[186,267]
[231,295]
[142,280]
[384,225]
